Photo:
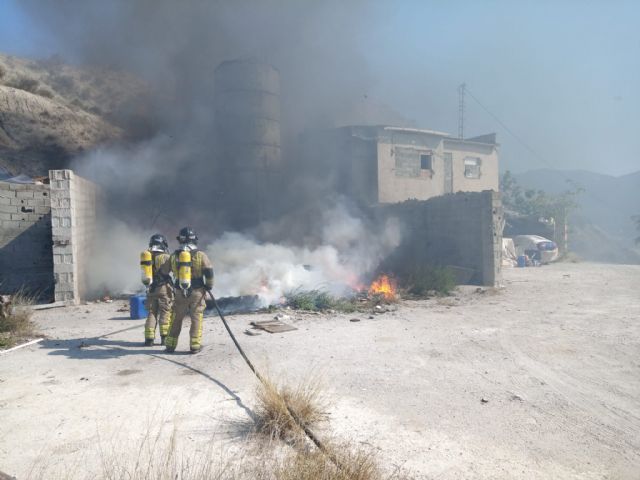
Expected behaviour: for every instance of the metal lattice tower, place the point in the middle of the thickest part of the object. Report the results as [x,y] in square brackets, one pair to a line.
[461,110]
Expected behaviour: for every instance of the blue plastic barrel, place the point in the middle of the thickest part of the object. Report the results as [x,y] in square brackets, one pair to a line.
[522,261]
[136,307]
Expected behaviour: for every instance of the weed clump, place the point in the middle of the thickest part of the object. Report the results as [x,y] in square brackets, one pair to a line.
[273,417]
[15,319]
[347,464]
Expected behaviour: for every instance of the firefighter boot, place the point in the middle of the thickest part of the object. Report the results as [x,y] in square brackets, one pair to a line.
[148,342]
[162,339]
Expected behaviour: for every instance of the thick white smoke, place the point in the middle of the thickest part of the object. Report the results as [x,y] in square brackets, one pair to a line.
[347,251]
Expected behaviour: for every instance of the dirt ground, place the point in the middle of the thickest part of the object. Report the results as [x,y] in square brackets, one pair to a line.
[540,379]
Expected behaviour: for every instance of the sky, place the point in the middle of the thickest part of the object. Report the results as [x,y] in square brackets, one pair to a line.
[556,80]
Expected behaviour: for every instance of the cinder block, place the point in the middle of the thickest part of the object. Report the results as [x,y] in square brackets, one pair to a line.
[18,216]
[42,210]
[24,194]
[64,268]
[8,208]
[5,201]
[60,233]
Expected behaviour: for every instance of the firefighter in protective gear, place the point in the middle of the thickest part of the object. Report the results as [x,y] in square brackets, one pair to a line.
[193,274]
[159,289]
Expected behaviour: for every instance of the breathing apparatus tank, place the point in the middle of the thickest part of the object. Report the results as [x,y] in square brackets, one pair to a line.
[184,270]
[146,270]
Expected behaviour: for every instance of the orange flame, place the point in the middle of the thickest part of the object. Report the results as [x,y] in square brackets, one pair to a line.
[384,286]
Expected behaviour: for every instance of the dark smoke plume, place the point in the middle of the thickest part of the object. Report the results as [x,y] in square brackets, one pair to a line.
[169,175]
[175,47]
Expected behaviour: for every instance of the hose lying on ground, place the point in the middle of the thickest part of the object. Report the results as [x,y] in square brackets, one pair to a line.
[295,417]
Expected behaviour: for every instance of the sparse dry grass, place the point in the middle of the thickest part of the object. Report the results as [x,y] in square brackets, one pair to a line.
[162,455]
[15,321]
[304,400]
[351,464]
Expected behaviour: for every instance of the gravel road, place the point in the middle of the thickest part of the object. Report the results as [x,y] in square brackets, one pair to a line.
[539,379]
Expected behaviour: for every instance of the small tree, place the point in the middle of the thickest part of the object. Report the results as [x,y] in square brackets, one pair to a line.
[540,203]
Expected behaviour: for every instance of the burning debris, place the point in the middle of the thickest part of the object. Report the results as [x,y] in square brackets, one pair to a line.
[384,287]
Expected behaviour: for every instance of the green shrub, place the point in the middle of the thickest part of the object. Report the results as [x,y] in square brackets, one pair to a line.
[423,280]
[25,83]
[318,300]
[44,92]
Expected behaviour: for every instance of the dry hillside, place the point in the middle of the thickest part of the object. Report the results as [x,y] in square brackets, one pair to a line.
[51,111]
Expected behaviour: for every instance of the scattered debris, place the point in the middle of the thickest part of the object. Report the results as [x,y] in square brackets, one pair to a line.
[83,345]
[251,333]
[273,326]
[47,306]
[354,319]
[484,400]
[515,397]
[84,379]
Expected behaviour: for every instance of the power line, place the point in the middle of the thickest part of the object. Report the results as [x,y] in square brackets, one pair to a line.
[533,152]
[511,132]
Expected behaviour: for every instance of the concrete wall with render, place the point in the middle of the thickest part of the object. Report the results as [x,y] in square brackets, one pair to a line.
[400,177]
[26,261]
[399,174]
[74,208]
[378,164]
[489,172]
[460,230]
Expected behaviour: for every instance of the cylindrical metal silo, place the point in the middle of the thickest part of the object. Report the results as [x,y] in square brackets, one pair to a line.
[247,122]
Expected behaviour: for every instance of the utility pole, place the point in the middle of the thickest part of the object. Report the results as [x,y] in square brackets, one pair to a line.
[461,88]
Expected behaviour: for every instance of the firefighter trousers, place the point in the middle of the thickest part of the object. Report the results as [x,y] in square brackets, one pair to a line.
[192,305]
[159,303]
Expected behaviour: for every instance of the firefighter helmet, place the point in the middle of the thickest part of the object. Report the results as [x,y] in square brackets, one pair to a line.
[158,242]
[187,235]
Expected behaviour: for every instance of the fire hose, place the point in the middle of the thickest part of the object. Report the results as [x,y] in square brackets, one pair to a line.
[316,441]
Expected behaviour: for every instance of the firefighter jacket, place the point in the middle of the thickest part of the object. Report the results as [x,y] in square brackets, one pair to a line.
[201,268]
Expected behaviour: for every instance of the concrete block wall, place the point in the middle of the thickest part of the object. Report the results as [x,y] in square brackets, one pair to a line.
[461,230]
[74,207]
[25,239]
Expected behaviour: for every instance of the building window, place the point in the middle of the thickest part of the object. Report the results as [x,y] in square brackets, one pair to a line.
[426,161]
[472,167]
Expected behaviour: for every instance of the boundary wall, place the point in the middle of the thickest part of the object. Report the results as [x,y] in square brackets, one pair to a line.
[461,230]
[47,234]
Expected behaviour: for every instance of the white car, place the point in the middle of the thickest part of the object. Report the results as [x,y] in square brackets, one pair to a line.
[537,248]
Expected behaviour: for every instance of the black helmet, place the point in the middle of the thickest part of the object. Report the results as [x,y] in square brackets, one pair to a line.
[158,240]
[187,235]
